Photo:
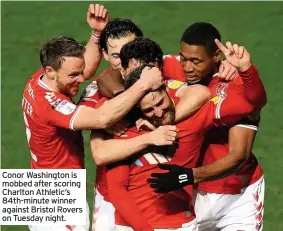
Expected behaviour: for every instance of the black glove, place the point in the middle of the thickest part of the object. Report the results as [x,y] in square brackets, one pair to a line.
[177,177]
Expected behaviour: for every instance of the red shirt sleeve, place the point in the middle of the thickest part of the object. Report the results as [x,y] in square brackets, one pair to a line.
[253,88]
[58,110]
[125,205]
[172,68]
[217,112]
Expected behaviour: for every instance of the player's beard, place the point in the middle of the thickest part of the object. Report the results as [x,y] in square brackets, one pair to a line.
[62,88]
[167,119]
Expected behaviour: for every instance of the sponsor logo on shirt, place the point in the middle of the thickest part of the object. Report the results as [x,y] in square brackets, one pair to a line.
[222,90]
[65,107]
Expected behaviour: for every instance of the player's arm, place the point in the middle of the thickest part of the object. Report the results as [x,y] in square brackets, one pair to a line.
[97,18]
[239,57]
[124,203]
[110,84]
[115,109]
[192,98]
[253,88]
[241,139]
[218,111]
[105,151]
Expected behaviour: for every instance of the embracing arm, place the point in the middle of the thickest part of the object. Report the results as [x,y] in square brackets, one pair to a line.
[105,151]
[89,118]
[192,98]
[241,141]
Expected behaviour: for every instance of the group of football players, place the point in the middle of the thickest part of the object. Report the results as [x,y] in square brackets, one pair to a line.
[171,135]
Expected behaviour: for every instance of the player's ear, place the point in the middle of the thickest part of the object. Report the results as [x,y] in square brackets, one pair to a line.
[133,63]
[217,57]
[50,72]
[105,55]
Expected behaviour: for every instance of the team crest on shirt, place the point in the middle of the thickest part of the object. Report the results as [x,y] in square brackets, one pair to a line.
[91,89]
[222,90]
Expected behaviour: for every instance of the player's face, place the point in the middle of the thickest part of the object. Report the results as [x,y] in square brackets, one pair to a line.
[197,64]
[158,108]
[70,76]
[114,46]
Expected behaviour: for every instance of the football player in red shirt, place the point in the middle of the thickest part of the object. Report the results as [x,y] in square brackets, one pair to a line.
[126,182]
[236,201]
[53,122]
[143,51]
[116,33]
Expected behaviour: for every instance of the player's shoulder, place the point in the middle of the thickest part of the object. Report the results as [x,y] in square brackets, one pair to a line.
[171,57]
[103,72]
[174,87]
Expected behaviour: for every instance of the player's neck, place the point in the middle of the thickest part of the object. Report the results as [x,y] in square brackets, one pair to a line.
[49,83]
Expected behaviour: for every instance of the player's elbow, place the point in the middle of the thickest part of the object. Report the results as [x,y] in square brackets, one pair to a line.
[240,157]
[98,155]
[98,158]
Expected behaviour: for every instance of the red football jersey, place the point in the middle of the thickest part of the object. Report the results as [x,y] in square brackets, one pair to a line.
[170,210]
[90,98]
[91,95]
[216,141]
[172,69]
[49,118]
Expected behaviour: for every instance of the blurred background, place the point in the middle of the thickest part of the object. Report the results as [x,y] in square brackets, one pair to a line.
[256,25]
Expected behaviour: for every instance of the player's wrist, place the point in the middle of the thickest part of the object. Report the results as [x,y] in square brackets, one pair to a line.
[245,67]
[142,86]
[96,36]
[196,175]
[147,139]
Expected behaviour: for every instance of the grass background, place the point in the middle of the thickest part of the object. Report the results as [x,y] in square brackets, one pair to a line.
[256,25]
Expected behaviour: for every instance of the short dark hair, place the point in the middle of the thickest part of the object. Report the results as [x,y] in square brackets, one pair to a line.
[134,76]
[142,49]
[202,34]
[53,51]
[118,28]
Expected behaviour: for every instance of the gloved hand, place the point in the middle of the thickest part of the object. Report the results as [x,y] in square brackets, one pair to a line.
[177,177]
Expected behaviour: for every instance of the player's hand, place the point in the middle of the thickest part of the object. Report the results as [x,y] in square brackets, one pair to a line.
[119,128]
[97,17]
[236,55]
[177,177]
[227,71]
[152,78]
[142,123]
[163,135]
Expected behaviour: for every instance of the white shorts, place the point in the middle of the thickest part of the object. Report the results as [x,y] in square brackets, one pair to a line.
[103,214]
[231,212]
[63,227]
[190,226]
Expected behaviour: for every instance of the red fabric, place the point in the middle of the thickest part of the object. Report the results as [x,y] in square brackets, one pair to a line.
[91,95]
[48,118]
[216,141]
